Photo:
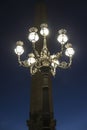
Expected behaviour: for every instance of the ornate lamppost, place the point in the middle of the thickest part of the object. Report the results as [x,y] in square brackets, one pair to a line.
[44,63]
[36,61]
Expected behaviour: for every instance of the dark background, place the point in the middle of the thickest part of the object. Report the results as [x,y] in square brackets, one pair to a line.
[69,86]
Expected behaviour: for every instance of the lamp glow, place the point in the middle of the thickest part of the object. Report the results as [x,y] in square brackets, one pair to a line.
[62,37]
[55,63]
[33,36]
[31,60]
[19,50]
[69,52]
[44,30]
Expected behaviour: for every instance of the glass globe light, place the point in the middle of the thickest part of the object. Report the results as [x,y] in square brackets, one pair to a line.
[55,63]
[44,30]
[19,50]
[69,52]
[62,37]
[31,60]
[33,36]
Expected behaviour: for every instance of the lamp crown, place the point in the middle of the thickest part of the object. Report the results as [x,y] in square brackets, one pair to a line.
[62,31]
[43,25]
[19,43]
[33,29]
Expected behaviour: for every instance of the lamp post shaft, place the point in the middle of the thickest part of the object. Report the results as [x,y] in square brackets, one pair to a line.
[41,109]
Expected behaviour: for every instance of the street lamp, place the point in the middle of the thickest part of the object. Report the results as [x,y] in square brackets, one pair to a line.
[42,65]
[36,60]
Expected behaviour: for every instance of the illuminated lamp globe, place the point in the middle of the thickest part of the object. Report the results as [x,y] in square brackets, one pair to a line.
[62,37]
[33,36]
[55,63]
[19,50]
[31,60]
[44,30]
[69,52]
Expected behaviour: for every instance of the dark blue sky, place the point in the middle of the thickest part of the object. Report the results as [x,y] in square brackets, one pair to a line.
[69,86]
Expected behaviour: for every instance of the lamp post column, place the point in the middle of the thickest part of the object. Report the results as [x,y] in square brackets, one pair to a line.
[47,111]
[41,109]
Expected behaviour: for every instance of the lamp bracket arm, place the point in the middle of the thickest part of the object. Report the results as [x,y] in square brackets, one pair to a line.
[22,63]
[65,65]
[70,61]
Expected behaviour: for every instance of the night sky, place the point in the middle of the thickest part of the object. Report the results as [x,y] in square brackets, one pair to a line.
[69,86]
